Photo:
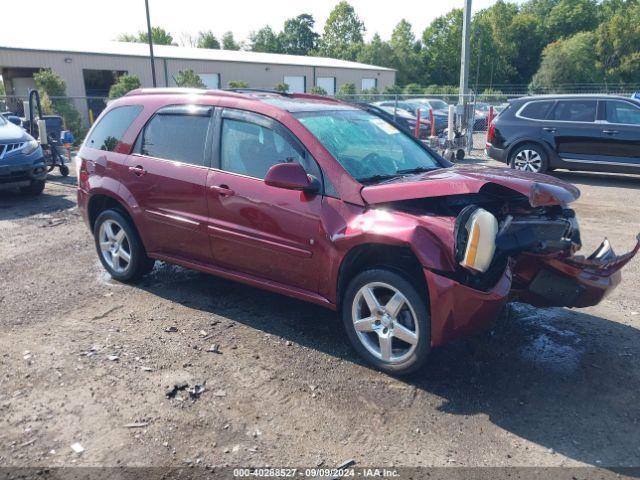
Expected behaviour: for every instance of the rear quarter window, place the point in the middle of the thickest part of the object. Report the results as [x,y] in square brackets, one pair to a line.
[109,130]
[536,110]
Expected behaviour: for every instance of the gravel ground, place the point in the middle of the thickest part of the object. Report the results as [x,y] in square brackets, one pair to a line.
[86,360]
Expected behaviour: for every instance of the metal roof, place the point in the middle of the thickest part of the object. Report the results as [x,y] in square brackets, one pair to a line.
[128,49]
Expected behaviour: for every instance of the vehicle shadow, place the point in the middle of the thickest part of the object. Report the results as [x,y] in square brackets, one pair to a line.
[562,379]
[599,179]
[14,205]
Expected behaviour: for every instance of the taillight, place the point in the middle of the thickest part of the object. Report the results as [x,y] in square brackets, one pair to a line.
[82,172]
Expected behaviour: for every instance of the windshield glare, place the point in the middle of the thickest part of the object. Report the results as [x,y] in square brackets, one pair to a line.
[369,148]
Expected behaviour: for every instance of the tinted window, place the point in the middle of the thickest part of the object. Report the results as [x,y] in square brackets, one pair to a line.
[623,112]
[177,136]
[251,149]
[575,111]
[536,110]
[109,130]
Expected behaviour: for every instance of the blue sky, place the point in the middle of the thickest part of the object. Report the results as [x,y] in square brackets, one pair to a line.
[100,20]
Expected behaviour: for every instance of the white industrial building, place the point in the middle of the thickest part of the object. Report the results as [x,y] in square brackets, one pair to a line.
[89,71]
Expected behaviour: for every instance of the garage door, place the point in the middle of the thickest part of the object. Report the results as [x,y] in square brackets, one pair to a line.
[328,84]
[296,84]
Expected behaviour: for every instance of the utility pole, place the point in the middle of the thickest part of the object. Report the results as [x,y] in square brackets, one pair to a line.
[466,51]
[153,63]
[463,99]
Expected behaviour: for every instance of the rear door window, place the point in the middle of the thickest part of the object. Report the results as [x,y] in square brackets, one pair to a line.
[575,111]
[536,110]
[109,130]
[178,133]
[623,113]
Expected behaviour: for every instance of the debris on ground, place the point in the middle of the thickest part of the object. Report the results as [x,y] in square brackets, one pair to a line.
[146,369]
[171,329]
[136,425]
[77,447]
[196,391]
[172,392]
[215,348]
[113,358]
[346,464]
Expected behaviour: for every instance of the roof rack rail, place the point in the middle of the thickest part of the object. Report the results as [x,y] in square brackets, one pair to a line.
[257,90]
[180,91]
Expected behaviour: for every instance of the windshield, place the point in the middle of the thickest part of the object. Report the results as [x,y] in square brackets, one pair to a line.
[369,148]
[438,104]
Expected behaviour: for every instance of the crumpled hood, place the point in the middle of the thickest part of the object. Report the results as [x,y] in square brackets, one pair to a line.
[540,189]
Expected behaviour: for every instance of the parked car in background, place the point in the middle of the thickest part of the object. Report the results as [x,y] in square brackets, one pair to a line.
[22,164]
[440,109]
[576,132]
[404,119]
[337,207]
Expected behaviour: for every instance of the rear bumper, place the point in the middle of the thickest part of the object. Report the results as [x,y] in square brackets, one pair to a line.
[498,154]
[458,310]
[22,174]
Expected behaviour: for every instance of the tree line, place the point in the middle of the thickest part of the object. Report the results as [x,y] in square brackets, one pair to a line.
[545,44]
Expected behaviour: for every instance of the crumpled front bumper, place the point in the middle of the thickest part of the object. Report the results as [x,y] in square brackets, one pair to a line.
[22,174]
[569,281]
[458,310]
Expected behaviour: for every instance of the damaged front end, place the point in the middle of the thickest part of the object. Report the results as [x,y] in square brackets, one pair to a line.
[537,235]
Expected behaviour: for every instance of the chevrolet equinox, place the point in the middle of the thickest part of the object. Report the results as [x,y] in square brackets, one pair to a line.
[326,202]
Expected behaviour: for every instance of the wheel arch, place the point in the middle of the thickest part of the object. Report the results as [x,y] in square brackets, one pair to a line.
[101,201]
[536,141]
[399,259]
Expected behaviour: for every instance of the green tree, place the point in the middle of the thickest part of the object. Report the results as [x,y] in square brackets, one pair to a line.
[406,54]
[238,84]
[49,84]
[442,44]
[159,36]
[343,33]
[347,89]
[265,40]
[125,84]
[298,37]
[377,52]
[413,89]
[189,79]
[567,61]
[207,39]
[281,87]
[392,90]
[572,16]
[228,42]
[318,90]
[618,46]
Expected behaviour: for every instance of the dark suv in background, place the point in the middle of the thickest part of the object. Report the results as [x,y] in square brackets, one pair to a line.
[576,132]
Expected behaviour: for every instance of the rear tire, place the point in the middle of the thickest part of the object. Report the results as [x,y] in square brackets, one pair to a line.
[64,170]
[529,157]
[119,247]
[36,187]
[387,321]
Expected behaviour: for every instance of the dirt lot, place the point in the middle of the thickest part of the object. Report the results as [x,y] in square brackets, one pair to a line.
[82,357]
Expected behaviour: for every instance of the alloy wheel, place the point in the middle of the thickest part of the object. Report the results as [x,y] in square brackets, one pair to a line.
[528,160]
[385,322]
[115,246]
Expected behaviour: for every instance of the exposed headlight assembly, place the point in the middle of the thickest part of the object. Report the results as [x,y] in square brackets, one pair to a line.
[30,147]
[476,231]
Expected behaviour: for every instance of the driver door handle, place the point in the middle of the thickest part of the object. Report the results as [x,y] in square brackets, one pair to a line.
[222,190]
[549,129]
[138,170]
[610,132]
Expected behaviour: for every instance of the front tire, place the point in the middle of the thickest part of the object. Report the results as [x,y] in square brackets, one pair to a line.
[36,187]
[387,321]
[119,247]
[529,157]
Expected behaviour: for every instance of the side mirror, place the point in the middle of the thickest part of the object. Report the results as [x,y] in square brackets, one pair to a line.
[15,120]
[291,176]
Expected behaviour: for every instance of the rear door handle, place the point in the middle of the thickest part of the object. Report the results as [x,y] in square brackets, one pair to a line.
[549,129]
[610,132]
[138,170]
[222,190]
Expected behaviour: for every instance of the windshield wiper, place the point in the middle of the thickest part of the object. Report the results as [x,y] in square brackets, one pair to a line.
[408,171]
[376,178]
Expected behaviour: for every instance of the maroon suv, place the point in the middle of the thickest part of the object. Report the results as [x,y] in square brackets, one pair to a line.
[326,202]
